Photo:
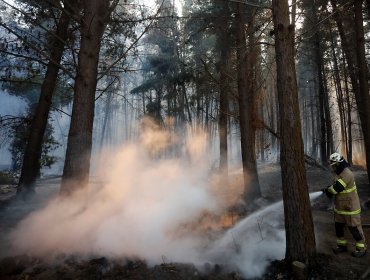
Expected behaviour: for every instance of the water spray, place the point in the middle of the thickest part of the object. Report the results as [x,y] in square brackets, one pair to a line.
[314,195]
[254,241]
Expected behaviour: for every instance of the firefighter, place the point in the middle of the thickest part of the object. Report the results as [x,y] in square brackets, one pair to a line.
[347,208]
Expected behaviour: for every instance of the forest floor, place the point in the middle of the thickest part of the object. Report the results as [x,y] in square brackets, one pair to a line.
[329,266]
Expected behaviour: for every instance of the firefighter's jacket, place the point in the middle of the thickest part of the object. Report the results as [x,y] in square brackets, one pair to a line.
[346,200]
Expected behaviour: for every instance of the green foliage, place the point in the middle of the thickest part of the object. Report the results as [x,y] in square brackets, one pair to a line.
[147,86]
[20,132]
[27,46]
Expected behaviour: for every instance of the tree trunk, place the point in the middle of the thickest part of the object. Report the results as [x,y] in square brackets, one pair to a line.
[349,116]
[77,161]
[325,120]
[31,159]
[223,115]
[328,123]
[323,131]
[107,116]
[188,110]
[361,91]
[223,112]
[339,93]
[300,237]
[363,102]
[246,65]
[314,128]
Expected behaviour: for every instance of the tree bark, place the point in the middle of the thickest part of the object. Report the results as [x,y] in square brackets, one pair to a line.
[300,237]
[77,161]
[349,115]
[32,156]
[222,42]
[246,65]
[107,117]
[223,115]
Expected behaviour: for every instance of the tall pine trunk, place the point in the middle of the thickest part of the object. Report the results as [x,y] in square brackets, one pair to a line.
[223,114]
[300,237]
[349,115]
[246,65]
[32,156]
[77,161]
[222,43]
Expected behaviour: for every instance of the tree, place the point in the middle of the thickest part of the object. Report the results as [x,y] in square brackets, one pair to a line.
[363,98]
[313,81]
[223,38]
[32,155]
[162,67]
[20,131]
[356,64]
[77,162]
[246,67]
[300,237]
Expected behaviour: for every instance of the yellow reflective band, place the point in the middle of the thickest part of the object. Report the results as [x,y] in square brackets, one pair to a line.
[341,242]
[342,183]
[332,190]
[360,245]
[347,212]
[350,190]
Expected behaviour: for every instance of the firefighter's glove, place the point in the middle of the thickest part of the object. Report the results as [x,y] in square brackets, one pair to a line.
[327,192]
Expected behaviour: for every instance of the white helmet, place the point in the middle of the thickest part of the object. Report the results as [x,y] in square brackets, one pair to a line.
[335,158]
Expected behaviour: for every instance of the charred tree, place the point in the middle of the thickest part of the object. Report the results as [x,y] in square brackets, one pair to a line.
[77,161]
[31,159]
[300,236]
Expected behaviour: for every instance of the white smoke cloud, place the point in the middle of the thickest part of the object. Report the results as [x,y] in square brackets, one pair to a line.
[147,206]
[136,209]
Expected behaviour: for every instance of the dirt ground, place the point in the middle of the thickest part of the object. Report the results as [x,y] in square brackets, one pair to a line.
[329,266]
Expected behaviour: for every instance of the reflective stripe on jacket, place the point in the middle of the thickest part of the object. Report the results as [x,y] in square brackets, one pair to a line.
[346,201]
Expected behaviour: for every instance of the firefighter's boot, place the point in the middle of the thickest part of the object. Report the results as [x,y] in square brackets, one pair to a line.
[358,253]
[360,250]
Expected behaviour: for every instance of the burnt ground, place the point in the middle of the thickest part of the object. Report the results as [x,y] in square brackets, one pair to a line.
[328,265]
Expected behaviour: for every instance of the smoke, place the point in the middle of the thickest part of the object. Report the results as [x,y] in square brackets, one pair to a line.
[145,205]
[138,205]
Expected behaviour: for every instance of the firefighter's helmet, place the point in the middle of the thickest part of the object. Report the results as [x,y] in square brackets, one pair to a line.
[335,158]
